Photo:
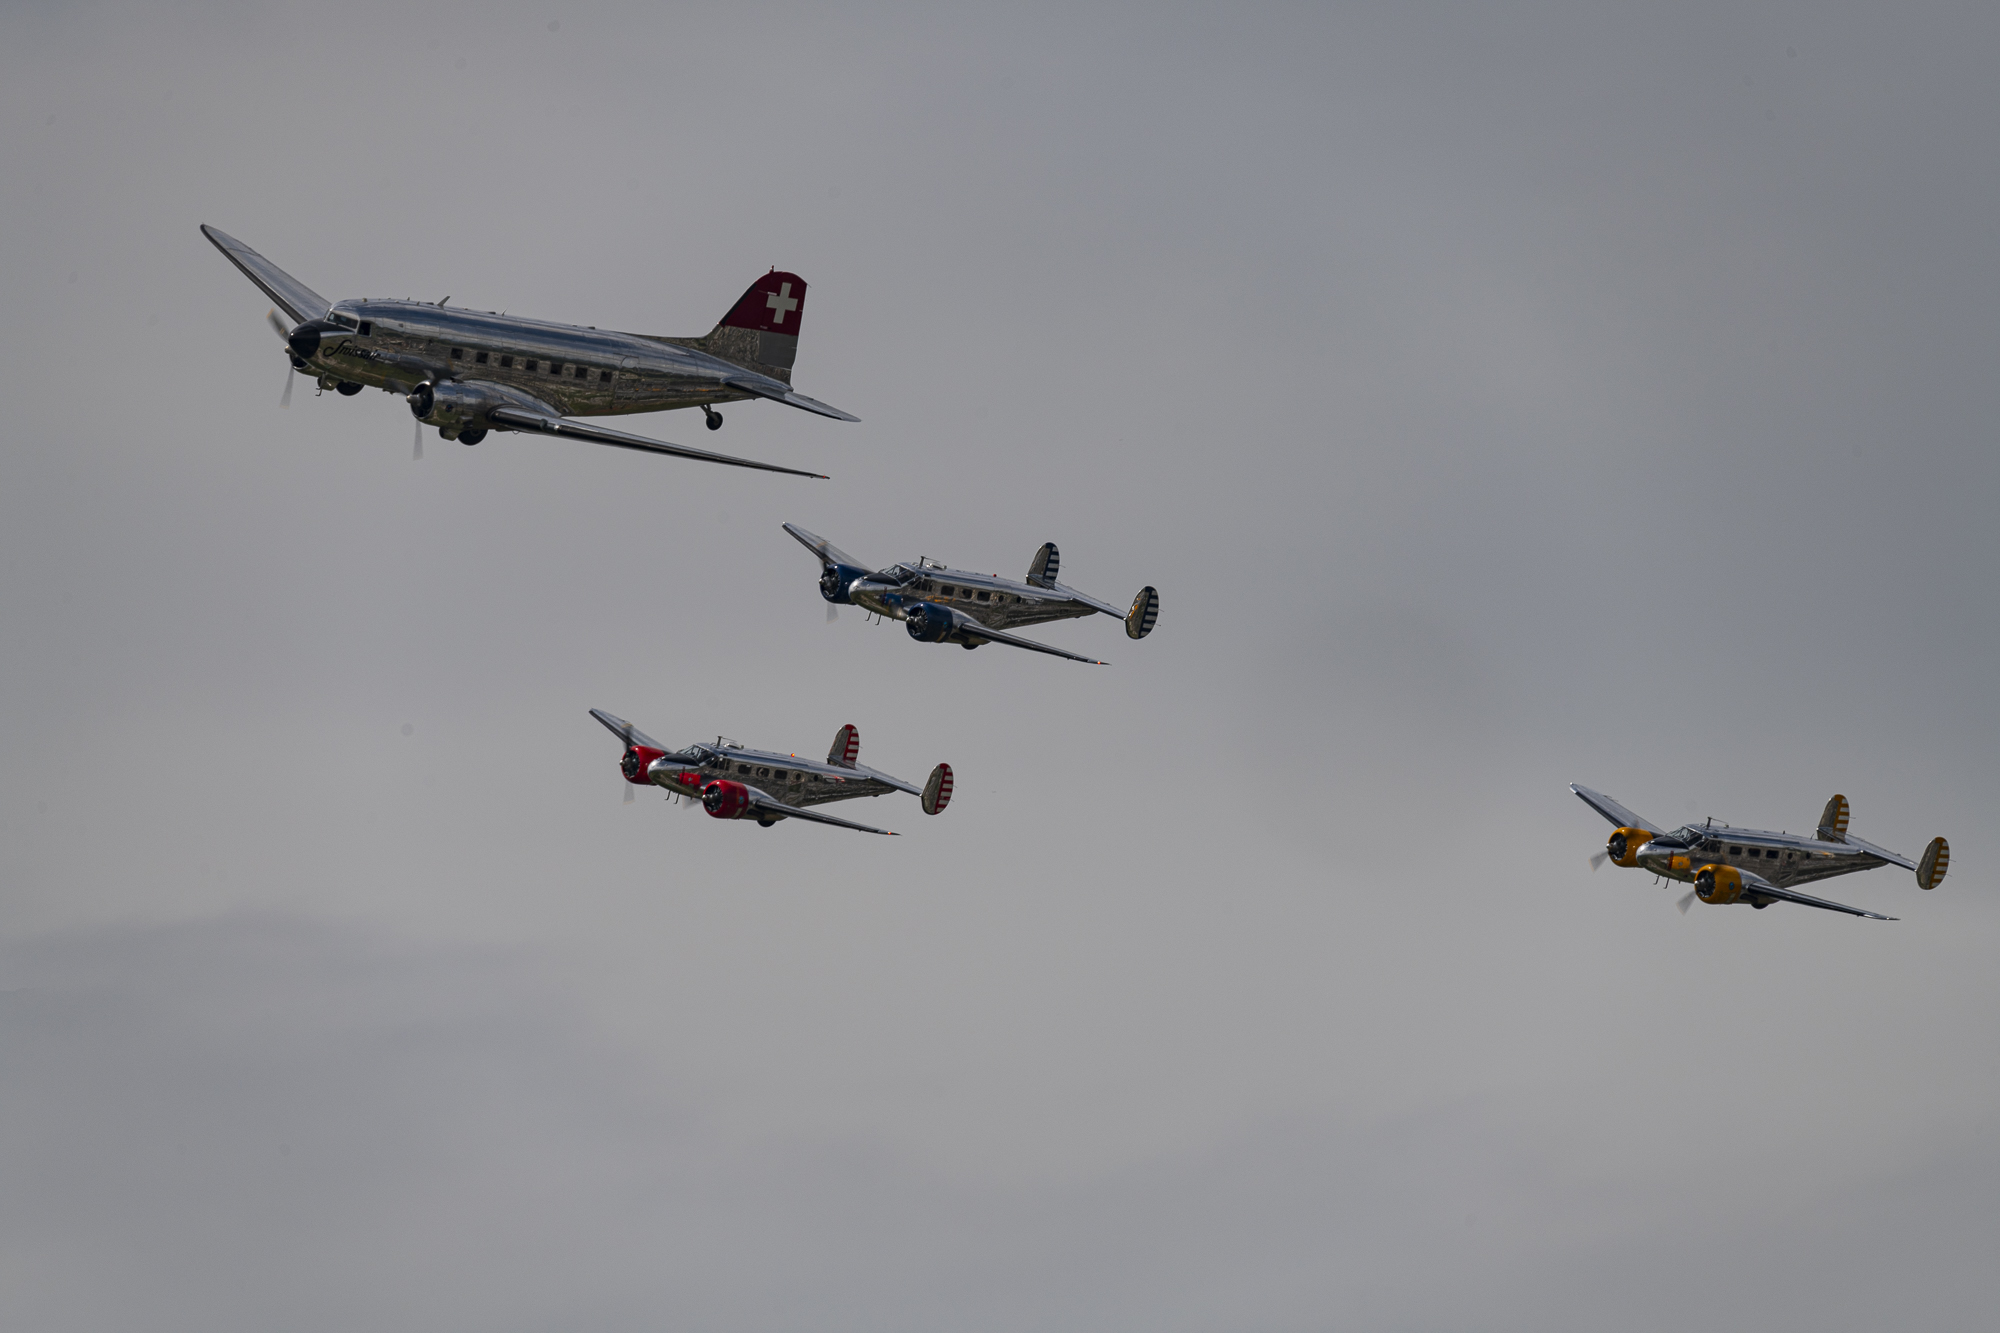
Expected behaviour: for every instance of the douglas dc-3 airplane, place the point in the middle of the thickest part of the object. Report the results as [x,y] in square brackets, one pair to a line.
[731,782]
[469,371]
[1740,865]
[938,604]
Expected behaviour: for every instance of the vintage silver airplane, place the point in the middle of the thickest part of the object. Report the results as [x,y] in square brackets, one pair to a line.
[469,371]
[732,782]
[1754,866]
[938,604]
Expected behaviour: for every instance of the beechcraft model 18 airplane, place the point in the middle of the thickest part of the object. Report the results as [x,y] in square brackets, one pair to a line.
[1754,866]
[732,782]
[938,604]
[470,371]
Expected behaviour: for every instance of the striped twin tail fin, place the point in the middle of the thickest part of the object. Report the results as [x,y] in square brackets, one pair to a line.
[1833,820]
[1937,859]
[846,751]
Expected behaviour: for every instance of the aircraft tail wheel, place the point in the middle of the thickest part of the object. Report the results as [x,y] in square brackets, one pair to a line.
[347,388]
[714,417]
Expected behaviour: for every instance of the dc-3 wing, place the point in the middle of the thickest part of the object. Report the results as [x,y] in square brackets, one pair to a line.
[1617,813]
[828,553]
[549,423]
[296,299]
[1756,886]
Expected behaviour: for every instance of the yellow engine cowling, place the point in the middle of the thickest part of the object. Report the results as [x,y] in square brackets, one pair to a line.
[1718,884]
[1624,844]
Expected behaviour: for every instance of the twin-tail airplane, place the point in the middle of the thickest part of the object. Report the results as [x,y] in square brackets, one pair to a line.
[939,604]
[732,782]
[1739,865]
[468,372]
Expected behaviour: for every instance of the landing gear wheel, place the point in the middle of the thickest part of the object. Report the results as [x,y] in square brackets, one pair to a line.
[767,823]
[714,417]
[347,388]
[968,646]
[472,435]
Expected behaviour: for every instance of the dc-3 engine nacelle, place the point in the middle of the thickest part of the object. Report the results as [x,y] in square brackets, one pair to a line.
[835,580]
[1624,844]
[928,622]
[724,799]
[449,406]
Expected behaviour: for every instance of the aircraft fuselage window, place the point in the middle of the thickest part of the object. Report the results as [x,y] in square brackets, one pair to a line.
[946,589]
[367,327]
[984,596]
[604,377]
[743,768]
[480,358]
[458,354]
[582,373]
[555,367]
[506,363]
[1736,851]
[527,365]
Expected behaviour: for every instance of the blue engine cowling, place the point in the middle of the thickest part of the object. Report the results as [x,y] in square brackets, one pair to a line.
[835,580]
[928,622]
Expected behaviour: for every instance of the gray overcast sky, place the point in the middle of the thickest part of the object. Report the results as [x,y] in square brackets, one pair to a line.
[1498,396]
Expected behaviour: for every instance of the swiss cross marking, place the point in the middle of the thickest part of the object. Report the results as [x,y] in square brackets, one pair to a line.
[781,301]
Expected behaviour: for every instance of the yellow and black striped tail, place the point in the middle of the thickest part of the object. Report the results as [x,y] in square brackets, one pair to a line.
[1145,611]
[1937,859]
[1833,820]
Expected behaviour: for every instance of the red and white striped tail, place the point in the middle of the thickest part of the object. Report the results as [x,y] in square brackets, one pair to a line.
[846,749]
[937,792]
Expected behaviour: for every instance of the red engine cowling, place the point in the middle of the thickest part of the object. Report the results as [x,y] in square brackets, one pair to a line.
[726,800]
[635,763]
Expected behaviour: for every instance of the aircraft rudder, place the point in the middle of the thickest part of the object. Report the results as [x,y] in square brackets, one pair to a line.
[937,792]
[762,328]
[846,750]
[1145,612]
[1937,859]
[1833,819]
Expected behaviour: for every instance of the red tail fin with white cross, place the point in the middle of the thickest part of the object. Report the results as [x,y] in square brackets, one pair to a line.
[762,329]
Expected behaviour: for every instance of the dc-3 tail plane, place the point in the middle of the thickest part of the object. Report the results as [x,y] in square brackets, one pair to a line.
[467,372]
[732,782]
[939,604]
[1755,866]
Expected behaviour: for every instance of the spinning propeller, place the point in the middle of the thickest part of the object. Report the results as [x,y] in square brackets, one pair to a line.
[1687,901]
[284,336]
[1598,858]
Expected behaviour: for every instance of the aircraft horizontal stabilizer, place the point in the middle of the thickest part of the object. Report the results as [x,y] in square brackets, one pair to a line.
[778,392]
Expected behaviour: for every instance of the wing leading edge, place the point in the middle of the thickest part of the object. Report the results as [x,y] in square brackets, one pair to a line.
[1613,811]
[521,419]
[296,299]
[1758,887]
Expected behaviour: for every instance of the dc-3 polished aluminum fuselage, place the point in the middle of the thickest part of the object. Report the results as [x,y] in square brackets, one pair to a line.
[731,781]
[1755,866]
[939,604]
[467,372]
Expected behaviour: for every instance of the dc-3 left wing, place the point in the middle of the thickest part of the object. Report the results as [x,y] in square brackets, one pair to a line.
[1755,886]
[1613,811]
[547,423]
[296,299]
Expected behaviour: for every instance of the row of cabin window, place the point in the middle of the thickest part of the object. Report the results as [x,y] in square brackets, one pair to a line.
[980,594]
[781,775]
[1753,853]
[555,367]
